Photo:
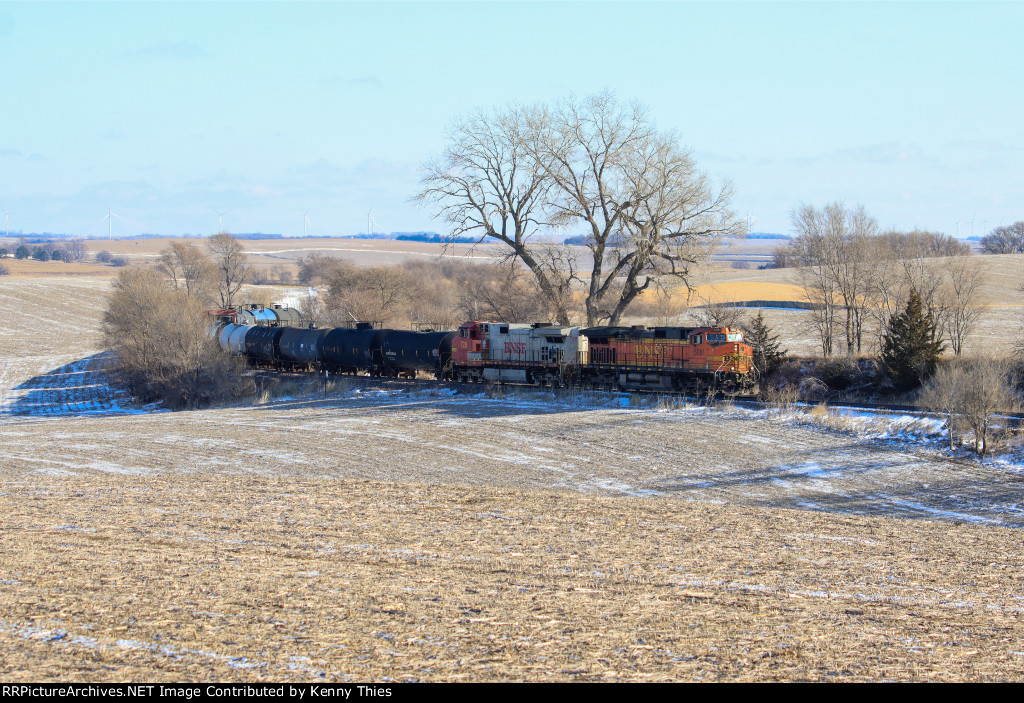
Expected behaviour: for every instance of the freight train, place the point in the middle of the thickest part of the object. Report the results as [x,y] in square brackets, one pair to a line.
[668,359]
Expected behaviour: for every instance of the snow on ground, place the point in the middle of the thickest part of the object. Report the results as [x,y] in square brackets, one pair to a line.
[538,440]
[58,416]
[76,388]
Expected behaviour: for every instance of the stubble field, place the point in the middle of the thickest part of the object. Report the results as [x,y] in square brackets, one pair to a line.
[382,533]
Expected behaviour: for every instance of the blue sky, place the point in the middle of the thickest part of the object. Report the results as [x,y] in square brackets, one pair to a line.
[167,113]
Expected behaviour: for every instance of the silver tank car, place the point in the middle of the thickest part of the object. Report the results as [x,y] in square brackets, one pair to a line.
[253,314]
[236,338]
[286,316]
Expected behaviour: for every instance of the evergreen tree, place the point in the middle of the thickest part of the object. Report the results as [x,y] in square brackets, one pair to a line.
[768,352]
[910,346]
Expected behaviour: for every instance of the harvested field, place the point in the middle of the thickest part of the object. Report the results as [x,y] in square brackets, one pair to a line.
[387,533]
[242,578]
[31,267]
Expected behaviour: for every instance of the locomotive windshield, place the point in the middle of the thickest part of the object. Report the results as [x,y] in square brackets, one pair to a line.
[723,338]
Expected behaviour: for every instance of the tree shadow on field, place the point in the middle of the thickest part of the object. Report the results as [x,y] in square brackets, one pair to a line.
[835,481]
[469,403]
[77,388]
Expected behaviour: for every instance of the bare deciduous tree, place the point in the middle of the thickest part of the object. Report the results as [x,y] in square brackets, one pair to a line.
[944,393]
[663,306]
[972,394]
[832,246]
[988,392]
[919,243]
[189,269]
[487,185]
[649,213]
[961,302]
[435,301]
[1005,240]
[370,294]
[811,253]
[161,344]
[720,314]
[510,297]
[311,307]
[232,266]
[75,250]
[316,268]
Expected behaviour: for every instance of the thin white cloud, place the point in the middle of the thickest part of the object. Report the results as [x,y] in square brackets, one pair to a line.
[885,153]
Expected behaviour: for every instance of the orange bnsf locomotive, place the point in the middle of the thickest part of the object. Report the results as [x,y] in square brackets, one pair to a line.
[681,359]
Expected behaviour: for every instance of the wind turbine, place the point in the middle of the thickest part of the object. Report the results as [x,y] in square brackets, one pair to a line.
[109,217]
[370,222]
[7,229]
[751,221]
[305,222]
[220,221]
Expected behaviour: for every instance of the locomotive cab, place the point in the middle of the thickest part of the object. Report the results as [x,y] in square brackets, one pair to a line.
[723,350]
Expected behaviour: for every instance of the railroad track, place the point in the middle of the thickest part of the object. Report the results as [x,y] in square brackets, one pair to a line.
[379,383]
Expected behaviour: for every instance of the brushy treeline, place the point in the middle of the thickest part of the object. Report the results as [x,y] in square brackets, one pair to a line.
[158,331]
[441,294]
[858,279]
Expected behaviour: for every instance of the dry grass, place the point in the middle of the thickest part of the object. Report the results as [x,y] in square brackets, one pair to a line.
[237,578]
[454,539]
[736,291]
[33,267]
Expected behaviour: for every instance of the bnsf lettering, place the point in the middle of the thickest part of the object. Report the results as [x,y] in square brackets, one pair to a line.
[649,353]
[515,347]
